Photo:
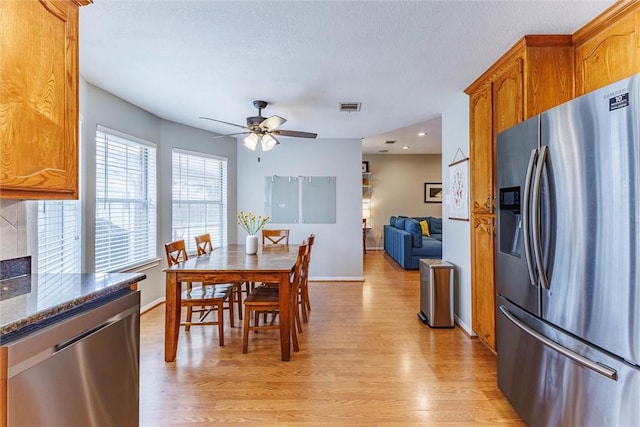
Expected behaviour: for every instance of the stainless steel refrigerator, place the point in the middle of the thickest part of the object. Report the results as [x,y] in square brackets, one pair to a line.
[568,261]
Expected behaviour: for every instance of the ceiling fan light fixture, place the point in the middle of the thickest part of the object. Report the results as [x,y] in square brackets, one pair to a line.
[268,142]
[251,141]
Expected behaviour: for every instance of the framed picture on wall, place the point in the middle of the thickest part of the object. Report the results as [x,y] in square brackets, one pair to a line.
[459,190]
[365,167]
[433,192]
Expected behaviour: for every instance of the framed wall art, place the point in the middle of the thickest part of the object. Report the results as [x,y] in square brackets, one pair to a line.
[459,189]
[433,192]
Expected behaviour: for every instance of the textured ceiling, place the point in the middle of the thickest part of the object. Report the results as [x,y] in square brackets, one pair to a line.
[403,60]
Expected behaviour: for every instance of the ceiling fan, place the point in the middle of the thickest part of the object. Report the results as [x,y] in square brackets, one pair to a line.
[263,130]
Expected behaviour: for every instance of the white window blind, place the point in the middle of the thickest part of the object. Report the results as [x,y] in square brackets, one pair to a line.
[58,236]
[125,201]
[199,198]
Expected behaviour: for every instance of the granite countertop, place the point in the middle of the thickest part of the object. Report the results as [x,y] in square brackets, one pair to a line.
[31,301]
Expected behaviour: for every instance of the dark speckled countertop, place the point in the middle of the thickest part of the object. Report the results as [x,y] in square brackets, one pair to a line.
[30,301]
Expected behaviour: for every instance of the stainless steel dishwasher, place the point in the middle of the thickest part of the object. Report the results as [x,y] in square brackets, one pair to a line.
[81,371]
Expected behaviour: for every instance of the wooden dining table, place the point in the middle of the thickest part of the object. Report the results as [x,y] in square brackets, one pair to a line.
[230,264]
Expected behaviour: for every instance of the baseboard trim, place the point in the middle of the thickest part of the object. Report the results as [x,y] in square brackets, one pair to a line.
[465,328]
[151,305]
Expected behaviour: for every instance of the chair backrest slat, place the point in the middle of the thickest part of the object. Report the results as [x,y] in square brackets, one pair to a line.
[176,252]
[203,244]
[275,237]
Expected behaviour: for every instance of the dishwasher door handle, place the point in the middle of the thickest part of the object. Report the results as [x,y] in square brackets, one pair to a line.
[80,337]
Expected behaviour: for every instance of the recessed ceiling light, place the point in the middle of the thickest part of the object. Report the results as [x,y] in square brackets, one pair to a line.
[405,147]
[422,134]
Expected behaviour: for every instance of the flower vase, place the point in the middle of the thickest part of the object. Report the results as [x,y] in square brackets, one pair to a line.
[252,244]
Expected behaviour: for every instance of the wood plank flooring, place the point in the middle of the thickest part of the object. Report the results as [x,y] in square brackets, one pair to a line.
[365,360]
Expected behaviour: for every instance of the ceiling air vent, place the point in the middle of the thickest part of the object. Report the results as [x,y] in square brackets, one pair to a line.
[350,106]
[383,151]
[390,142]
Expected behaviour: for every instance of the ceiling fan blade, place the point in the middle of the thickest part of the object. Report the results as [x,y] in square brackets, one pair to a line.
[295,133]
[230,134]
[272,123]
[226,123]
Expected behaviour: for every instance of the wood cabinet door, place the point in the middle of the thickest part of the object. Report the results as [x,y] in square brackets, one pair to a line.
[39,99]
[481,150]
[508,97]
[608,56]
[482,279]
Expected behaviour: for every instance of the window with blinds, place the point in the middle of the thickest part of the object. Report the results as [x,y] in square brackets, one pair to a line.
[125,201]
[199,193]
[58,236]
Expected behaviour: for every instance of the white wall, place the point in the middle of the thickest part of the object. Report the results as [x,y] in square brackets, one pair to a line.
[456,243]
[100,107]
[397,188]
[337,252]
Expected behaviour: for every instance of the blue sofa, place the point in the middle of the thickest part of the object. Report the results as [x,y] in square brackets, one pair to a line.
[404,242]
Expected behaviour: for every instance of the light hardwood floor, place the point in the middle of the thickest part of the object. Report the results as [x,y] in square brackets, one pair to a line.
[365,360]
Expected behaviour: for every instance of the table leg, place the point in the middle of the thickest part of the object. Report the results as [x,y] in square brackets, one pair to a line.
[285,328]
[171,318]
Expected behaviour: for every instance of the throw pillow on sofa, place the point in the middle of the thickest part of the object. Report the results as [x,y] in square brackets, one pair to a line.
[435,225]
[425,228]
[412,226]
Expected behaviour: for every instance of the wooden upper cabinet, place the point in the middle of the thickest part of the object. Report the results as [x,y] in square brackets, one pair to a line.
[508,96]
[481,149]
[608,48]
[39,99]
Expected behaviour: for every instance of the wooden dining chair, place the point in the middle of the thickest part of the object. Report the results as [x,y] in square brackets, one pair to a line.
[264,299]
[204,247]
[275,237]
[200,299]
[305,302]
[203,244]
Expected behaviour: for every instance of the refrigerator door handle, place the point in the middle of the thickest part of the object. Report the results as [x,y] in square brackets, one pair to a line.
[587,363]
[537,245]
[526,222]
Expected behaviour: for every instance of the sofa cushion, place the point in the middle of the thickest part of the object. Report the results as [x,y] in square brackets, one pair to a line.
[425,227]
[435,225]
[412,226]
[392,221]
[431,248]
[400,223]
[437,237]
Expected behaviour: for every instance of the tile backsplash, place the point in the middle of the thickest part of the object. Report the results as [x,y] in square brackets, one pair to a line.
[13,228]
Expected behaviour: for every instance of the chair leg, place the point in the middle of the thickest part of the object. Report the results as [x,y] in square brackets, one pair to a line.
[245,330]
[189,314]
[232,314]
[303,308]
[220,323]
[305,294]
[292,327]
[238,292]
[297,320]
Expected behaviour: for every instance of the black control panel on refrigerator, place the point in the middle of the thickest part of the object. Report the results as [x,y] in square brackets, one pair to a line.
[509,221]
[510,199]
